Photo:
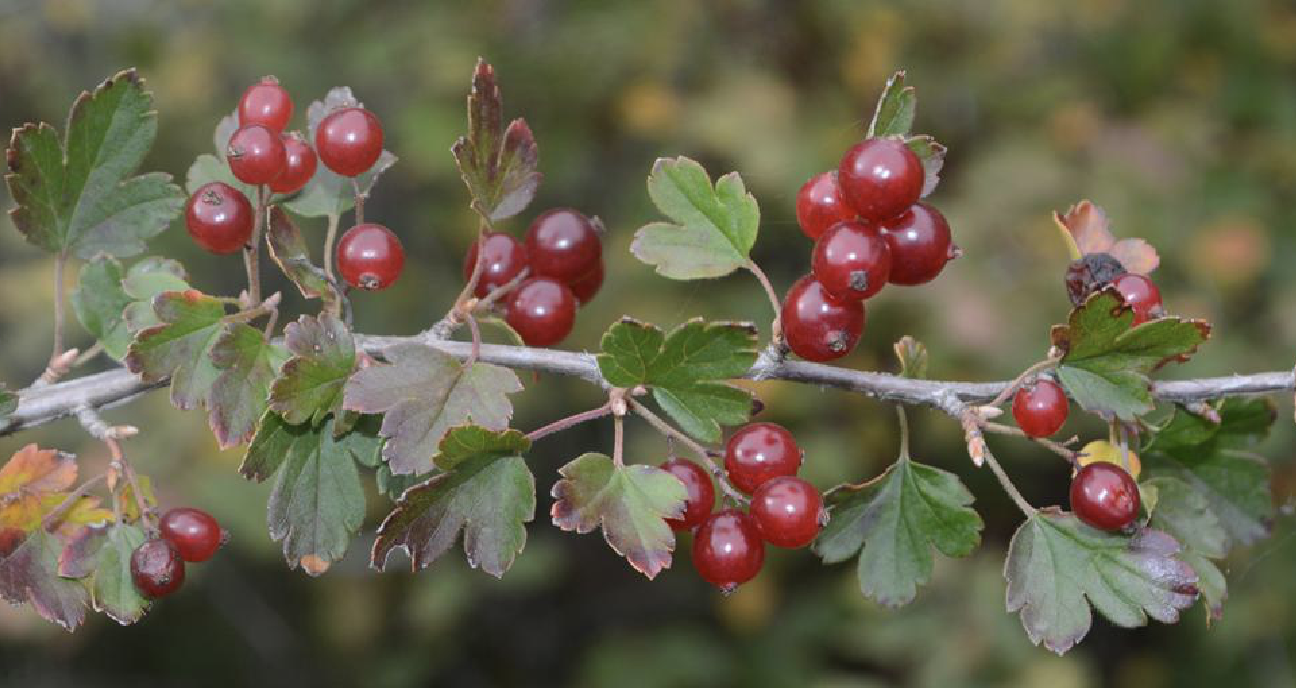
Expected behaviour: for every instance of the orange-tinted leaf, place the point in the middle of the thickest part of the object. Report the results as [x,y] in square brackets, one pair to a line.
[33,470]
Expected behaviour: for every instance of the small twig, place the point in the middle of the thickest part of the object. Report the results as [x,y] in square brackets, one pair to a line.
[109,435]
[570,421]
[476,341]
[979,450]
[618,440]
[88,355]
[1017,382]
[57,368]
[329,237]
[252,250]
[672,433]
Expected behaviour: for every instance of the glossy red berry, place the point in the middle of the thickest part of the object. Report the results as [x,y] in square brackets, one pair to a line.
[788,511]
[1141,295]
[701,493]
[349,141]
[266,103]
[920,245]
[586,287]
[880,178]
[852,260]
[1105,496]
[256,154]
[819,205]
[759,452]
[1040,408]
[156,568]
[300,164]
[505,258]
[817,326]
[727,549]
[542,310]
[219,218]
[563,244]
[369,256]
[195,534]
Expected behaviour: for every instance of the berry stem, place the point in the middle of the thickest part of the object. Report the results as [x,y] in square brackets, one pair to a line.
[455,316]
[109,435]
[501,291]
[359,201]
[674,434]
[476,340]
[1012,387]
[979,450]
[570,421]
[252,251]
[334,219]
[618,440]
[776,333]
[1058,448]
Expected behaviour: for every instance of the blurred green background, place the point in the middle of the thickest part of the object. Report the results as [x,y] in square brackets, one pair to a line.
[1178,116]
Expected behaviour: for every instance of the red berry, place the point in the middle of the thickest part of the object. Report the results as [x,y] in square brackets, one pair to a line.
[349,141]
[1105,496]
[219,217]
[299,168]
[727,549]
[788,511]
[920,245]
[880,178]
[256,155]
[851,260]
[1041,408]
[1141,295]
[506,257]
[701,493]
[819,205]
[156,568]
[265,103]
[563,244]
[369,256]
[817,326]
[759,452]
[542,311]
[195,534]
[586,287]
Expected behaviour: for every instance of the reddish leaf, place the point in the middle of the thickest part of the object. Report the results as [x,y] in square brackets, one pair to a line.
[30,574]
[498,165]
[1088,225]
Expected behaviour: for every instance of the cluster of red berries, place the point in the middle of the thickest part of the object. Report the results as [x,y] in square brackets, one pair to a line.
[869,230]
[220,218]
[184,535]
[762,460]
[563,252]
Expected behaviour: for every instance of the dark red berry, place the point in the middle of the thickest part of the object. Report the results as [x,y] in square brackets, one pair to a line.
[266,103]
[851,260]
[1091,272]
[586,287]
[920,245]
[506,257]
[817,326]
[219,217]
[701,493]
[1141,295]
[256,154]
[880,178]
[727,549]
[369,256]
[788,511]
[541,310]
[563,244]
[819,205]
[299,168]
[1040,408]
[759,452]
[349,141]
[1105,496]
[156,568]
[195,534]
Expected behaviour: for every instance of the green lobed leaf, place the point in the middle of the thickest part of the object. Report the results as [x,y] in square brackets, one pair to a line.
[101,298]
[29,574]
[309,385]
[112,590]
[630,504]
[179,347]
[895,110]
[247,364]
[498,164]
[289,250]
[78,197]
[893,522]
[1057,567]
[1186,515]
[329,194]
[713,228]
[486,492]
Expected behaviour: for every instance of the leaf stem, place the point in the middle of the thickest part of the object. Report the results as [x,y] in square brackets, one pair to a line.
[672,433]
[476,341]
[904,430]
[60,262]
[1008,485]
[570,421]
[334,219]
[252,251]
[618,440]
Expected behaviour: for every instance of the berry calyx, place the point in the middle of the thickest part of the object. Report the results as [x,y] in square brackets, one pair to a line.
[369,256]
[299,167]
[819,205]
[195,534]
[1041,408]
[701,493]
[256,154]
[852,260]
[505,258]
[349,141]
[760,452]
[920,244]
[563,244]
[1105,496]
[156,568]
[265,103]
[788,511]
[219,218]
[880,178]
[727,550]
[542,311]
[1141,295]
[817,326]
[586,287]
